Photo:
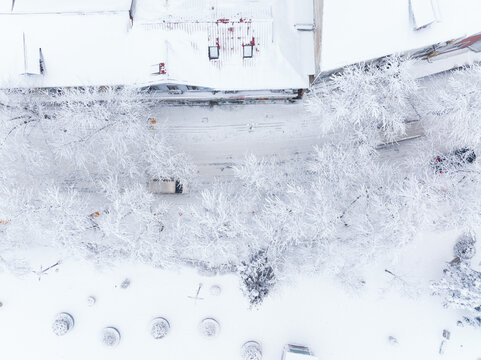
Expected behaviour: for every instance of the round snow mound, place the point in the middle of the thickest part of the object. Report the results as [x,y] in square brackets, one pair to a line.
[159,328]
[215,290]
[91,301]
[209,327]
[464,247]
[110,336]
[62,324]
[251,350]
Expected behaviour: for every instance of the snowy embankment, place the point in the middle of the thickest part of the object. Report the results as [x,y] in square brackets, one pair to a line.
[321,224]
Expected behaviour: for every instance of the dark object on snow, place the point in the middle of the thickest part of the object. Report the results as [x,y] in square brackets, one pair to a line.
[455,160]
[464,248]
[196,297]
[392,340]
[442,347]
[257,276]
[125,284]
[446,334]
[455,261]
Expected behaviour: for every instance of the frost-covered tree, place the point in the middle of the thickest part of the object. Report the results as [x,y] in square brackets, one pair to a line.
[366,103]
[337,210]
[216,229]
[460,287]
[451,108]
[76,167]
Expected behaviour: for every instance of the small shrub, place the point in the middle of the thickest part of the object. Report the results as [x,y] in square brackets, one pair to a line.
[209,327]
[62,324]
[160,328]
[258,277]
[464,247]
[251,350]
[110,336]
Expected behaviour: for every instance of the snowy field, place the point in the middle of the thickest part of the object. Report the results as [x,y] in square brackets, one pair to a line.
[355,235]
[306,309]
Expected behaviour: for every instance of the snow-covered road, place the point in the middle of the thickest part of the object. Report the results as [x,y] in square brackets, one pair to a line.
[220,136]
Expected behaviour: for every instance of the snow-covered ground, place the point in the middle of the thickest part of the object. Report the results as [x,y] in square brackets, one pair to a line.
[305,309]
[384,310]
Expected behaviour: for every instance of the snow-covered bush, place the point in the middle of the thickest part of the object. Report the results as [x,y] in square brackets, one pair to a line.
[62,324]
[257,277]
[209,328]
[159,328]
[251,350]
[215,290]
[110,336]
[465,248]
[460,287]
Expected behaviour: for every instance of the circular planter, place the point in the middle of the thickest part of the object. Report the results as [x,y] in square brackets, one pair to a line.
[91,301]
[62,324]
[215,290]
[159,328]
[251,350]
[209,328]
[110,336]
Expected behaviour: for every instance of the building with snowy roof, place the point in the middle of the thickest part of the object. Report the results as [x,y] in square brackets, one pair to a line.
[264,47]
[352,31]
[219,45]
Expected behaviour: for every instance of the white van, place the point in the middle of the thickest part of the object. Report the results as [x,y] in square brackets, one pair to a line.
[166,186]
[297,352]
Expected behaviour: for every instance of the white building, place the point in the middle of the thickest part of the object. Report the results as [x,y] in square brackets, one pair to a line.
[352,31]
[261,47]
[185,44]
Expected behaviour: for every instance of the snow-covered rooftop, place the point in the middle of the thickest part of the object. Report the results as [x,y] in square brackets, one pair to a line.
[168,43]
[355,31]
[64,6]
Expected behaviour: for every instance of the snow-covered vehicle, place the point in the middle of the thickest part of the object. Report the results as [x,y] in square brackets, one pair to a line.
[297,352]
[166,186]
[454,160]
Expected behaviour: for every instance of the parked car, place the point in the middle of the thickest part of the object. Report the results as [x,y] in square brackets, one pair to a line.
[454,160]
[297,352]
[166,186]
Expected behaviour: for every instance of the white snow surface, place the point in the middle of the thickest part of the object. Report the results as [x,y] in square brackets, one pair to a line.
[305,309]
[354,31]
